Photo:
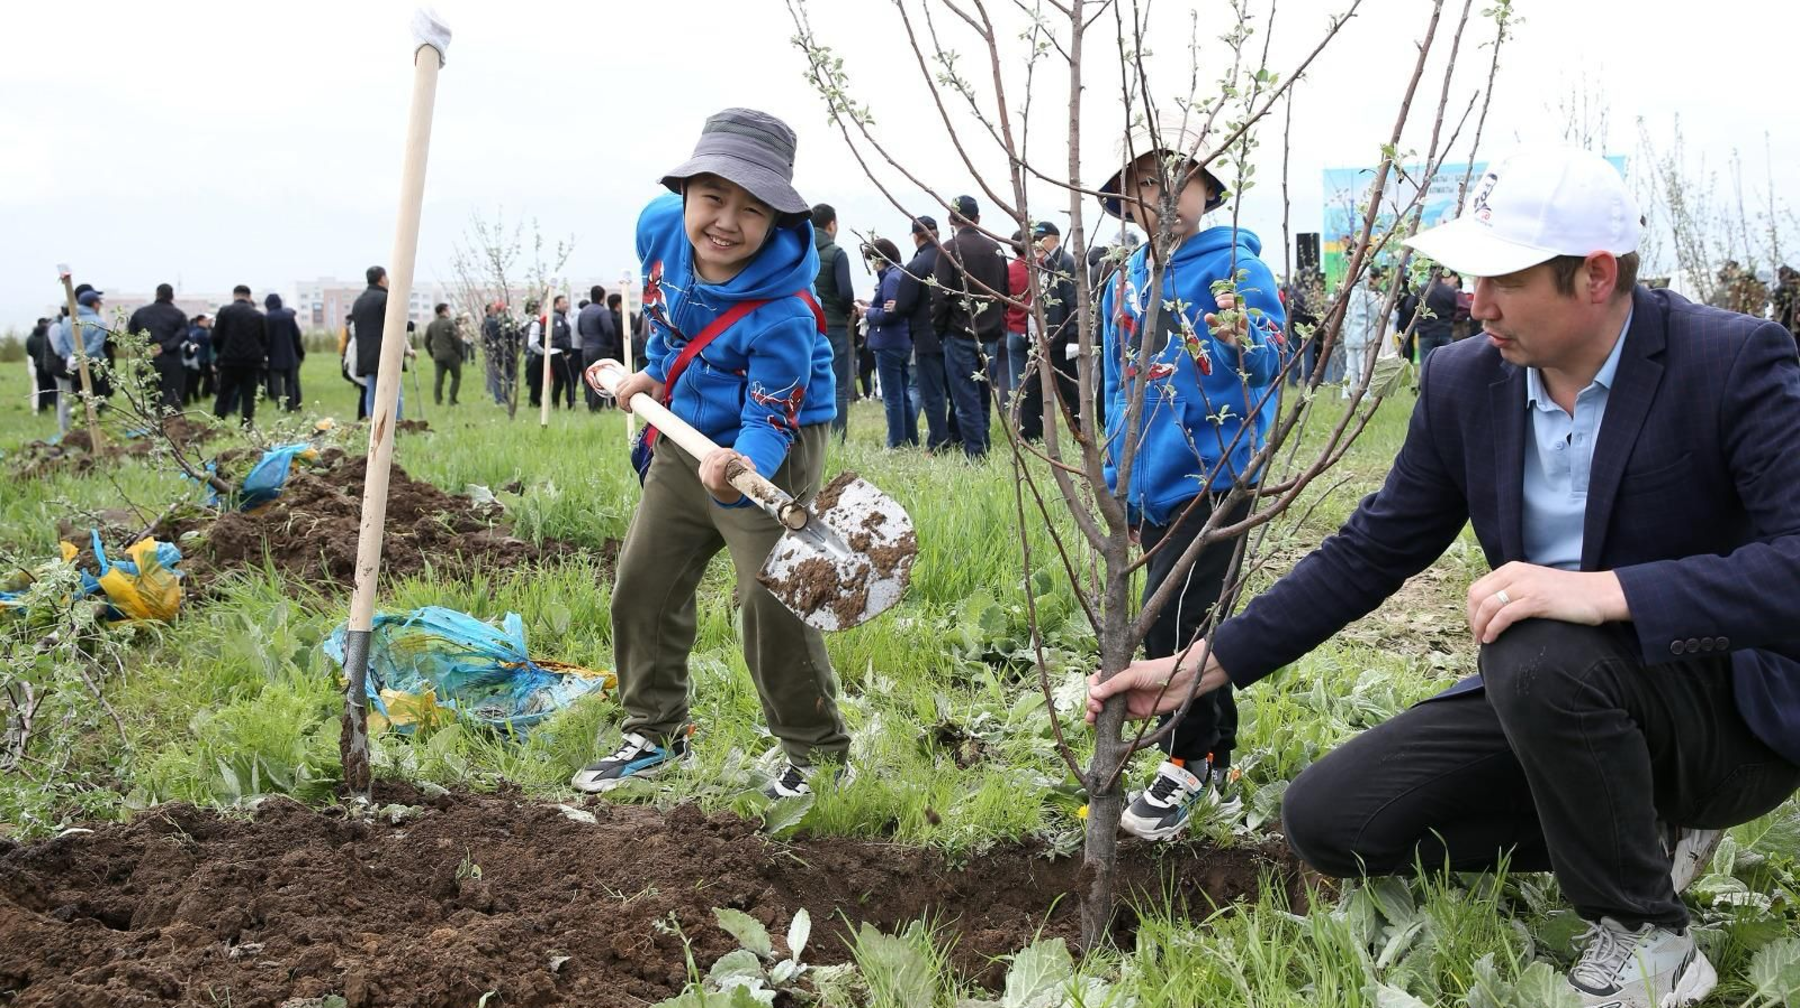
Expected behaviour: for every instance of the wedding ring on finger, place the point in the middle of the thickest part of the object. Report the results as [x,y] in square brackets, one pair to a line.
[1504,598]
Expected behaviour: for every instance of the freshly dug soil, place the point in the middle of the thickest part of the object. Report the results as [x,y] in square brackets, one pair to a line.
[75,452]
[309,532]
[486,892]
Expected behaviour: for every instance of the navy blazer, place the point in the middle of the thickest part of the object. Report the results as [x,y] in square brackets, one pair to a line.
[1694,502]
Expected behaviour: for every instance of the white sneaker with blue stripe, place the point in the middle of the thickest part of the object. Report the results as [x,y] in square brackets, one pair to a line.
[636,757]
[1161,811]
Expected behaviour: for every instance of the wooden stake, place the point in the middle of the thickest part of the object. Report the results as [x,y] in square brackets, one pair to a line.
[432,38]
[95,439]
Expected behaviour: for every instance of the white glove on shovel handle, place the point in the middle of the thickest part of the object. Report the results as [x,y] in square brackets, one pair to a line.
[604,377]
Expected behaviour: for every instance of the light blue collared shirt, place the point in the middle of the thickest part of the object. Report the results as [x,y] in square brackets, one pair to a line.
[1559,455]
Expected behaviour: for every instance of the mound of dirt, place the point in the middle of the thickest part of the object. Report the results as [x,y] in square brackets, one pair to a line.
[487,893]
[309,533]
[75,451]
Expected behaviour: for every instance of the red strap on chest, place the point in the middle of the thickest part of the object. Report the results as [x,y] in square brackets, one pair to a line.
[712,332]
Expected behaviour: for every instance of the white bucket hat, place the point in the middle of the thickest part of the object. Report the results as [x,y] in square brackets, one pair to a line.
[1532,207]
[1173,138]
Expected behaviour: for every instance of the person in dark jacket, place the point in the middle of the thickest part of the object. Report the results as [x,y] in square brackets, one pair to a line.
[444,347]
[1062,340]
[599,340]
[241,348]
[286,352]
[37,348]
[912,298]
[368,318]
[164,328]
[197,358]
[838,300]
[565,359]
[890,339]
[639,332]
[966,307]
[1434,324]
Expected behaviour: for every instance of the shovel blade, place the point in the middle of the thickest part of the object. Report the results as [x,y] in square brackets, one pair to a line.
[850,563]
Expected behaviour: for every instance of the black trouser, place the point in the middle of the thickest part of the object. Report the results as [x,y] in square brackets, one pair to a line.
[564,377]
[46,389]
[1209,728]
[453,368]
[589,357]
[171,379]
[284,387]
[534,378]
[1031,399]
[1569,759]
[237,387]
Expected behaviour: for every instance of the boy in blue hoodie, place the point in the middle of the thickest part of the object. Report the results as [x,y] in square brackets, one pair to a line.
[737,349]
[1208,399]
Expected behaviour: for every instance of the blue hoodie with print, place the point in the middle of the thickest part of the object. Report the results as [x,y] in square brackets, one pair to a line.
[1200,391]
[769,374]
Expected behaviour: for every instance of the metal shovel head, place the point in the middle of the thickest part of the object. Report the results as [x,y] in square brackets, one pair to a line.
[850,562]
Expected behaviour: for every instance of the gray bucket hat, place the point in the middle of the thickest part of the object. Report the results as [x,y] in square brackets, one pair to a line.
[754,150]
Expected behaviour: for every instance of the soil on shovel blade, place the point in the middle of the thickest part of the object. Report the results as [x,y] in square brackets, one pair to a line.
[309,532]
[481,893]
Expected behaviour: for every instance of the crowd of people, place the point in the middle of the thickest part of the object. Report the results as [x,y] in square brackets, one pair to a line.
[230,359]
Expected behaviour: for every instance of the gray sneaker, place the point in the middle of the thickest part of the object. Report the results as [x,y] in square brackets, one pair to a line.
[1651,967]
[637,756]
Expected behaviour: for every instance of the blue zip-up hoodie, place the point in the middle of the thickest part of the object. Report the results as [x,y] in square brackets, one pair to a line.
[768,375]
[1193,408]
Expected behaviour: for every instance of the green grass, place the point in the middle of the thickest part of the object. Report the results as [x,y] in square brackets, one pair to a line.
[236,699]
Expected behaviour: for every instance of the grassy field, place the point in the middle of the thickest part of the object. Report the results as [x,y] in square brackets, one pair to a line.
[235,699]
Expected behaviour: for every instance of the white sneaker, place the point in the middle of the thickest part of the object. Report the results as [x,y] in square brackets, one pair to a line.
[1691,854]
[1652,967]
[1161,811]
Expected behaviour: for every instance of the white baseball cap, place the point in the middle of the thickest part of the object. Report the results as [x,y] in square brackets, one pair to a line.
[1533,206]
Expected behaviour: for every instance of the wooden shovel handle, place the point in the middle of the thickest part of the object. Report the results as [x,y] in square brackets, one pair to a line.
[606,375]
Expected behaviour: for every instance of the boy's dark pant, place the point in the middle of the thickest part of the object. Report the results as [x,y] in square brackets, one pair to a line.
[1209,728]
[675,531]
[964,358]
[1569,759]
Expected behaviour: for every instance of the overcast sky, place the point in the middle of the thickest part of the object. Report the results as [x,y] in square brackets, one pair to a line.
[208,144]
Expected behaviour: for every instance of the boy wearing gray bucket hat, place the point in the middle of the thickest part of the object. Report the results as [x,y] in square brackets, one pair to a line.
[1207,405]
[737,349]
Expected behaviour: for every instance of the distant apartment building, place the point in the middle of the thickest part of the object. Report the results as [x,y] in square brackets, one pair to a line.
[325,302]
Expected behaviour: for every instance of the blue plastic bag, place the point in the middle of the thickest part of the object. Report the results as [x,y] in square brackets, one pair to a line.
[436,661]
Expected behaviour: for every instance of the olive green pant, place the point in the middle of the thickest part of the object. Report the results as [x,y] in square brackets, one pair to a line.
[676,531]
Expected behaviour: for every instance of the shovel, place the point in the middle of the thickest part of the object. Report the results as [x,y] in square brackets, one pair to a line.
[841,562]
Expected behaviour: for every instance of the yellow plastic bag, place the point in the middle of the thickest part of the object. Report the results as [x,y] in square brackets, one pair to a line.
[153,593]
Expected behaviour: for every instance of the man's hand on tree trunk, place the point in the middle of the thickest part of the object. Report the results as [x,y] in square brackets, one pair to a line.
[1156,685]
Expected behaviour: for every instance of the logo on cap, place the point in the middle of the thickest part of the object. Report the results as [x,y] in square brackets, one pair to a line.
[1479,208]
